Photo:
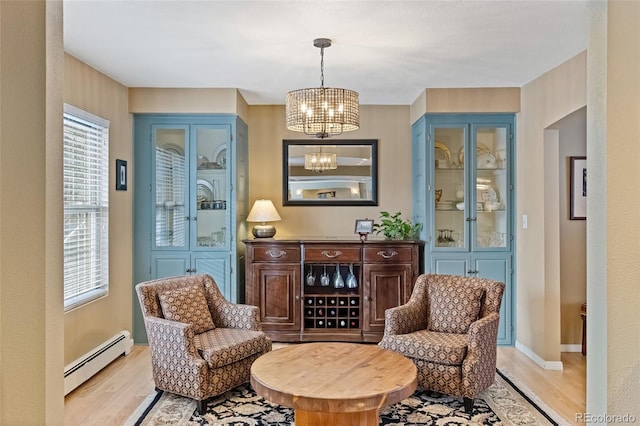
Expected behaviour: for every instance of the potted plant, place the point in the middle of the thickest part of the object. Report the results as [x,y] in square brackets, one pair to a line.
[395,228]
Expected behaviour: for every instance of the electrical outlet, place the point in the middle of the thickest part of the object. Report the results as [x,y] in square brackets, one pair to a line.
[524,221]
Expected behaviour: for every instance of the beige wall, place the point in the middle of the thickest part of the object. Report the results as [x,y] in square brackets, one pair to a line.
[89,325]
[389,124]
[31,353]
[187,101]
[623,208]
[545,100]
[572,234]
[466,100]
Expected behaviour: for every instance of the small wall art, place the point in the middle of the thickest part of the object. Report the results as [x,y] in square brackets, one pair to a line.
[578,188]
[121,175]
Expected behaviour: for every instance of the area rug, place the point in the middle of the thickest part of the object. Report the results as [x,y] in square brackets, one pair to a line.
[501,404]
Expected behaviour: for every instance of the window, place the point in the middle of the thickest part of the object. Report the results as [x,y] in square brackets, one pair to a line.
[86,207]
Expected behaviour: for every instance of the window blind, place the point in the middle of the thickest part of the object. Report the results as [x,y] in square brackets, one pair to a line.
[86,206]
[170,206]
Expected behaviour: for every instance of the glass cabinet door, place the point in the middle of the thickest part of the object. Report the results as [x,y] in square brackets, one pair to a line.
[449,187]
[491,187]
[211,178]
[170,186]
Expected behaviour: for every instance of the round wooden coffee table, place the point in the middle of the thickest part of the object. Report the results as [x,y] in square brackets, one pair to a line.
[334,383]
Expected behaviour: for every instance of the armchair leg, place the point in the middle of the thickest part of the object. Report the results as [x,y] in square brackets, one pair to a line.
[468,405]
[202,406]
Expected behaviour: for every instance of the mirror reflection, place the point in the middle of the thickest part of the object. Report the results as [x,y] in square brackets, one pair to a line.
[336,172]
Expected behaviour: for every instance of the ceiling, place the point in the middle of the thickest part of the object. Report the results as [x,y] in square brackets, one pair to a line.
[388,51]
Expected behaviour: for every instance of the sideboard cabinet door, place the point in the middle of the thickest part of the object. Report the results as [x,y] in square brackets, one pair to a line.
[278,296]
[273,277]
[385,286]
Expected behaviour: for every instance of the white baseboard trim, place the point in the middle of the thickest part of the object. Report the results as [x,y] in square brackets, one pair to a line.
[547,365]
[570,348]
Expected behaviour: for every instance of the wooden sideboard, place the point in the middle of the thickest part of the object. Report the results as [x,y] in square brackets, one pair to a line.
[284,279]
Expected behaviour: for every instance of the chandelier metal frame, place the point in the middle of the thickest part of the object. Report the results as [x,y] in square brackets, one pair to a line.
[322,112]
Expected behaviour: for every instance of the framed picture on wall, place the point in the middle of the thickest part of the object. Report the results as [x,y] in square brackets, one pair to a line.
[121,175]
[578,186]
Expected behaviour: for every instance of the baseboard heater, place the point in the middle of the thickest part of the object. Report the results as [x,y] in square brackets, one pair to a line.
[83,368]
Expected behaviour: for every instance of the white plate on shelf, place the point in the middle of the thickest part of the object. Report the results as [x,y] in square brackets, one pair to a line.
[480,150]
[442,154]
[220,156]
[205,190]
[487,161]
[489,194]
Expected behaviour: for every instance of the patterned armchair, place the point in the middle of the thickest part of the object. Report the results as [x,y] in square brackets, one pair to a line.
[201,344]
[449,329]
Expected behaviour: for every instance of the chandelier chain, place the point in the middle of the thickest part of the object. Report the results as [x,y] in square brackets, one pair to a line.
[322,66]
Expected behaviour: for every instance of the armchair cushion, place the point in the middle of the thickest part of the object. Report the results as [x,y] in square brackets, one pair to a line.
[431,346]
[224,346]
[453,307]
[187,304]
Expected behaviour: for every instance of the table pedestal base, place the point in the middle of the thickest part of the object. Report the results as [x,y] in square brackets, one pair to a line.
[358,418]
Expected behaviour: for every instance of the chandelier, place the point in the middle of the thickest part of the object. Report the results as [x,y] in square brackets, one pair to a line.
[320,161]
[322,112]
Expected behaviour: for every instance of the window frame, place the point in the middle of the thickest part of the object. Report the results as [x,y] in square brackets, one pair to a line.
[86,207]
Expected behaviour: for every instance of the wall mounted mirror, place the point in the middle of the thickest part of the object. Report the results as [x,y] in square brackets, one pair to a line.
[334,173]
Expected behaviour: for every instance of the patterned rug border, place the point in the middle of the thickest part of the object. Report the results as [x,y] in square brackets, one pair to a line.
[539,412]
[533,399]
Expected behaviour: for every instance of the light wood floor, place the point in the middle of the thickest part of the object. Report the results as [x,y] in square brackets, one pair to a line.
[113,394]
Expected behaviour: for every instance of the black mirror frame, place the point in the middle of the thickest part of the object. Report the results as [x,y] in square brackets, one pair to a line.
[286,143]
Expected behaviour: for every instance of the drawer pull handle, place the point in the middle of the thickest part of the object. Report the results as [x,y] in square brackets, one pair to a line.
[331,255]
[276,253]
[384,255]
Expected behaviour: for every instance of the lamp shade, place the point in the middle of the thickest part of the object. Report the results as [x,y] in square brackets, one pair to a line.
[263,211]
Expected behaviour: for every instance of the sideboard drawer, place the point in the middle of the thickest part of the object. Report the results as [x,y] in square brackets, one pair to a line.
[331,254]
[388,254]
[276,253]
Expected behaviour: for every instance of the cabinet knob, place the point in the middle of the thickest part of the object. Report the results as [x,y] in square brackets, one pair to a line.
[194,218]
[384,255]
[472,271]
[331,254]
[297,297]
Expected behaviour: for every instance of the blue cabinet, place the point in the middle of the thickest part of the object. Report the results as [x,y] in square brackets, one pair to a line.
[462,193]
[190,178]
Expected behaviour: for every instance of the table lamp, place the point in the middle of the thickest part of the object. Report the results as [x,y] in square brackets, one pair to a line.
[263,211]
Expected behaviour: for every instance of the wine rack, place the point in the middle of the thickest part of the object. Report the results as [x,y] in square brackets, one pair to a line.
[335,311]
